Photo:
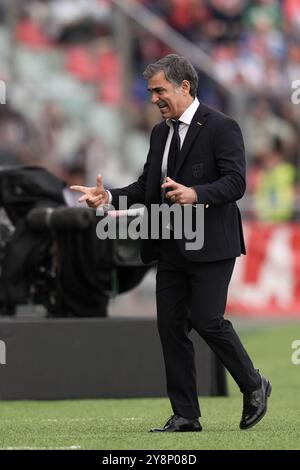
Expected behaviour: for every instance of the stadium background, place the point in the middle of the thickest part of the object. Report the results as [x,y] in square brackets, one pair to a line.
[76,104]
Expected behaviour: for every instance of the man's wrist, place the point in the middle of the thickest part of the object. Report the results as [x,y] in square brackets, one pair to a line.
[196,196]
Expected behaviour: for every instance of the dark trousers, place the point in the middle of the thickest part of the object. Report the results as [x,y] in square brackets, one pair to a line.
[193,295]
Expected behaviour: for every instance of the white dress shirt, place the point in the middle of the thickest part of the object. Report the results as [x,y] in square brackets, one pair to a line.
[185,120]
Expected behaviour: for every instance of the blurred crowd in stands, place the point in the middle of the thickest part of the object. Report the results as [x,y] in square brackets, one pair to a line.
[64,79]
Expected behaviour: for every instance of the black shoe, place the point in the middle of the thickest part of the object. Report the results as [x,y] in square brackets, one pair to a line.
[255,405]
[179,424]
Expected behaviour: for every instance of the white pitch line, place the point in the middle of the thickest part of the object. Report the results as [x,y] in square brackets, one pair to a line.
[56,420]
[40,448]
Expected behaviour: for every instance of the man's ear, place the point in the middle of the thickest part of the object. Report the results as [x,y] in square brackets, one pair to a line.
[186,86]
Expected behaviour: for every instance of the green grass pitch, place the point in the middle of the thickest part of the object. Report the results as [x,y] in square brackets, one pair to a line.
[124,424]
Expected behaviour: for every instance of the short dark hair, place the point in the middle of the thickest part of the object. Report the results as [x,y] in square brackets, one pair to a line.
[176,69]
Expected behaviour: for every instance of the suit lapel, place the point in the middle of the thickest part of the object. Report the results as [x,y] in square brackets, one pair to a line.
[160,145]
[197,123]
[155,171]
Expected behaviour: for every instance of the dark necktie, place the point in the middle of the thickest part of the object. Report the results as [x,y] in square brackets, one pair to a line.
[174,150]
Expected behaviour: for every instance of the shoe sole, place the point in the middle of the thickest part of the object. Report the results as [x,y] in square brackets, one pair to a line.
[268,392]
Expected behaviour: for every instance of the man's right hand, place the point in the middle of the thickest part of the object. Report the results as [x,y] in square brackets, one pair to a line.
[94,196]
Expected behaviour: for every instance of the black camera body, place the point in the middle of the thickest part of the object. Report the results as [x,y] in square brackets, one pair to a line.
[50,253]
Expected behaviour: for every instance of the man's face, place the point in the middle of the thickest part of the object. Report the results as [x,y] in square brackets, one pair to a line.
[171,100]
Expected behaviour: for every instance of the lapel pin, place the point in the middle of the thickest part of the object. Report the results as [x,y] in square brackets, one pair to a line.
[199,123]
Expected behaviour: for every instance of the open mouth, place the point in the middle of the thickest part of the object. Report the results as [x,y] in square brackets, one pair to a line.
[162,106]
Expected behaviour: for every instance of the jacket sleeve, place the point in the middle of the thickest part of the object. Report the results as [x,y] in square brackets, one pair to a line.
[229,152]
[135,192]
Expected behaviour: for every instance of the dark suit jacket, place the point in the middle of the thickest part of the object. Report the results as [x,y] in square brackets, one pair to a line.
[212,160]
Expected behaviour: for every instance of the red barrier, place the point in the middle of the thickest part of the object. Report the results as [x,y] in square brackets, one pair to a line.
[267,280]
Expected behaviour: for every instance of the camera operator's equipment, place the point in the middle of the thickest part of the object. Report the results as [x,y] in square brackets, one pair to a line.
[50,254]
[60,219]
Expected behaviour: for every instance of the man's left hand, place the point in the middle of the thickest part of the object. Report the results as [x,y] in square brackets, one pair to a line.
[178,193]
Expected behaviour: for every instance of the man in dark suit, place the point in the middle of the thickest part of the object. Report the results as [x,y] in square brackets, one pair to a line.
[196,156]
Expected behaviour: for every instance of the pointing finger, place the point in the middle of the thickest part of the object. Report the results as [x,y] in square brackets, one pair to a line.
[171,184]
[82,189]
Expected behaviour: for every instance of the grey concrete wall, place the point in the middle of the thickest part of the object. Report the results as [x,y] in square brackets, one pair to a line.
[92,358]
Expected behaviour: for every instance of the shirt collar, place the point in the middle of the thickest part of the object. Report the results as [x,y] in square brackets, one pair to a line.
[188,114]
